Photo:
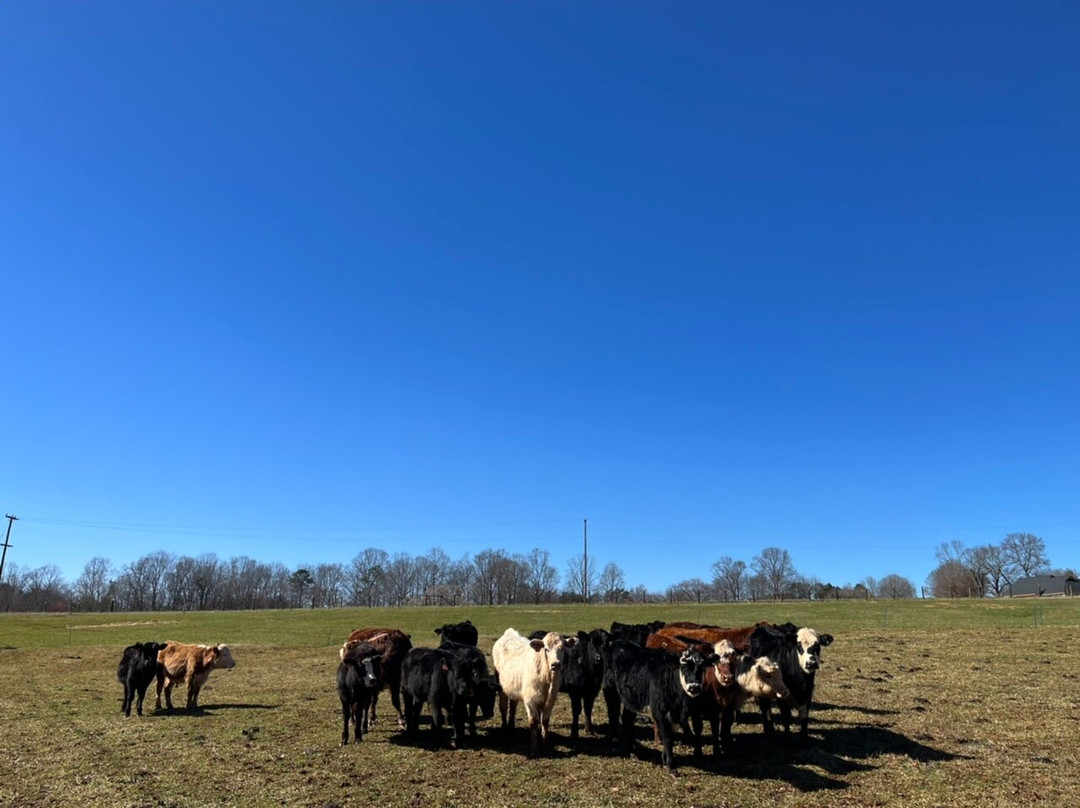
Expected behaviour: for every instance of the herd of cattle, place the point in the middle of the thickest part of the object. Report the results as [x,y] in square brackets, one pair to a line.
[677,674]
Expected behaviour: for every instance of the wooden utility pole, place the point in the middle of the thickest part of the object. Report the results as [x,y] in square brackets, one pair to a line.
[7,543]
[585,567]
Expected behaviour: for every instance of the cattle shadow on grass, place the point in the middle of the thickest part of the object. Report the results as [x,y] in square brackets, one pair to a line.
[820,764]
[211,709]
[852,709]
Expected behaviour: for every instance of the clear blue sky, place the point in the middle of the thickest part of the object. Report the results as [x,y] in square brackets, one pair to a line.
[291,280]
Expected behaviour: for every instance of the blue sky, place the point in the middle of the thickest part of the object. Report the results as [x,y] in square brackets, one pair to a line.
[291,280]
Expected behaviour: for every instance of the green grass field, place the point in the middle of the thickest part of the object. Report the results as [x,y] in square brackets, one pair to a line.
[920,703]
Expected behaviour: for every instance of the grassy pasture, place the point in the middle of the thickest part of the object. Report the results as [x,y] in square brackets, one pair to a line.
[920,703]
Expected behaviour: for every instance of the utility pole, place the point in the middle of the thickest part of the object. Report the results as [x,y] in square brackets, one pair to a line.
[585,568]
[7,544]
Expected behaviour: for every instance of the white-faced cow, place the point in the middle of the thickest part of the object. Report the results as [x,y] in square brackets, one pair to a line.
[136,671]
[582,674]
[799,655]
[190,664]
[529,671]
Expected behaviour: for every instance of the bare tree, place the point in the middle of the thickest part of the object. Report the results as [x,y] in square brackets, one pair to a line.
[729,578]
[328,586]
[612,583]
[431,572]
[44,589]
[541,578]
[92,586]
[400,579]
[693,590]
[895,587]
[952,579]
[990,564]
[581,575]
[180,593]
[486,576]
[365,576]
[757,587]
[775,567]
[1027,552]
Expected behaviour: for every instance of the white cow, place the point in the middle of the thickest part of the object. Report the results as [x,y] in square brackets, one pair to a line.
[529,671]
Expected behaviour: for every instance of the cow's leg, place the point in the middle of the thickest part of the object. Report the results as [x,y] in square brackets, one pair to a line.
[168,692]
[765,705]
[695,733]
[629,718]
[141,688]
[804,723]
[395,700]
[667,758]
[358,707]
[412,714]
[535,730]
[714,726]
[785,716]
[575,712]
[588,700]
[503,708]
[611,701]
[727,718]
[345,715]
[128,694]
[160,684]
[512,716]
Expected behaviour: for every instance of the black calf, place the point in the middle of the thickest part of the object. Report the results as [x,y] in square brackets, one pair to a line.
[638,680]
[137,669]
[359,677]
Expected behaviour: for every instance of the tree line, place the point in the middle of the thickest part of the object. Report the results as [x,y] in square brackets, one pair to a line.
[989,570]
[161,581]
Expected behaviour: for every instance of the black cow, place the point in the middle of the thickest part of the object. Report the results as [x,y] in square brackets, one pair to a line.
[799,655]
[635,632]
[447,680]
[137,669]
[463,632]
[482,687]
[582,674]
[661,683]
[359,677]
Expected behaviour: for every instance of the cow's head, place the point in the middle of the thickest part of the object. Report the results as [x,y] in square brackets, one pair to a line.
[725,664]
[595,642]
[366,659]
[553,649]
[692,664]
[484,693]
[222,657]
[808,645]
[764,679]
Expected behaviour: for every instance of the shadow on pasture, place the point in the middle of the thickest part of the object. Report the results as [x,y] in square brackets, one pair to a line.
[210,709]
[871,742]
[852,708]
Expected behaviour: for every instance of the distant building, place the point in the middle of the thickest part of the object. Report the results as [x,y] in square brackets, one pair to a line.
[1038,586]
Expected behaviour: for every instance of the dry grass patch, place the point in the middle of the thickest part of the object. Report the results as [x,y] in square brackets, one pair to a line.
[902,717]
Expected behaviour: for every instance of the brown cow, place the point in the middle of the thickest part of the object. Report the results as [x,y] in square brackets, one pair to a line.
[736,678]
[190,664]
[739,637]
[392,644]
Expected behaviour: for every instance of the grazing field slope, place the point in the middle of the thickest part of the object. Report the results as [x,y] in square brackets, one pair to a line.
[919,703]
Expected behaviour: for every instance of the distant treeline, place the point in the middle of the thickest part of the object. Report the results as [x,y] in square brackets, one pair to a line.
[160,581]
